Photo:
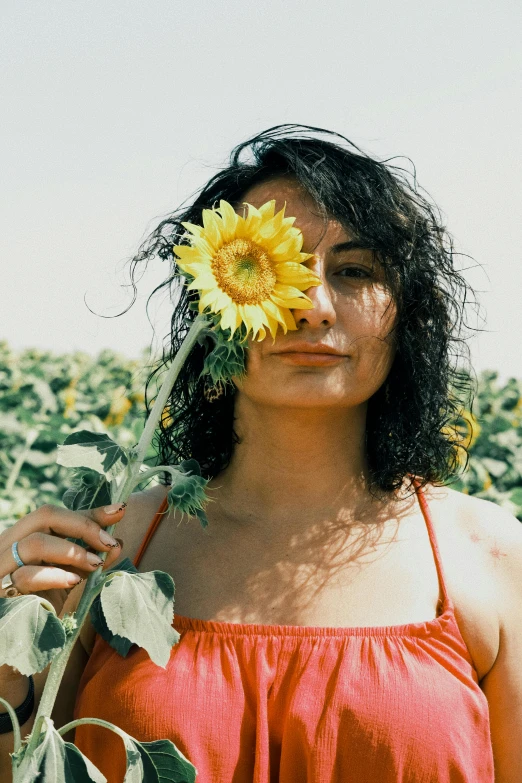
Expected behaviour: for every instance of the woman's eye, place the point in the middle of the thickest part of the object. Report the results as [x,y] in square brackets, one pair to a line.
[355,271]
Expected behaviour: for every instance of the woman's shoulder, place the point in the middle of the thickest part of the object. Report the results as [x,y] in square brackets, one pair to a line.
[141,509]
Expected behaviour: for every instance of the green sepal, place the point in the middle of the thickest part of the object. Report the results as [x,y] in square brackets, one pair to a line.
[188,490]
[227,356]
[202,517]
[31,635]
[93,450]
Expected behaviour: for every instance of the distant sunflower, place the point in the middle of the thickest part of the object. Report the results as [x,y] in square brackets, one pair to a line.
[249,270]
[467,430]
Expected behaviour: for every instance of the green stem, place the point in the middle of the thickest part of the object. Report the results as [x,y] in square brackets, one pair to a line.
[57,668]
[94,583]
[16,726]
[17,467]
[197,327]
[95,721]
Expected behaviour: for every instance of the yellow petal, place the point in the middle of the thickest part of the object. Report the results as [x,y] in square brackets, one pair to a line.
[291,273]
[301,303]
[290,247]
[230,318]
[211,226]
[267,210]
[208,298]
[193,228]
[185,252]
[203,281]
[286,291]
[222,300]
[229,220]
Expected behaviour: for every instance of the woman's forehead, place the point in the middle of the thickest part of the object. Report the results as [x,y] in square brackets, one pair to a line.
[289,193]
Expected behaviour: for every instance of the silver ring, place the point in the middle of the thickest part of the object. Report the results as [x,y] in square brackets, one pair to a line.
[14,550]
[10,590]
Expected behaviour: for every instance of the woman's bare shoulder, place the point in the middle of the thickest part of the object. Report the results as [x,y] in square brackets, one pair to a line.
[141,508]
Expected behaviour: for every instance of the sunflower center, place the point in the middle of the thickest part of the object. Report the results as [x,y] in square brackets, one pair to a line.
[243,270]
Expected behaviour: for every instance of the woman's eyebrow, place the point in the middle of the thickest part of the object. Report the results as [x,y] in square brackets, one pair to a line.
[353,244]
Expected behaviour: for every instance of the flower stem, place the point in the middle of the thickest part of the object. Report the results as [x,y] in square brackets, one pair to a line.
[94,583]
[123,492]
[16,726]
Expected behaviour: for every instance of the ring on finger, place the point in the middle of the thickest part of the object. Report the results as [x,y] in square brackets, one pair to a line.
[10,590]
[14,549]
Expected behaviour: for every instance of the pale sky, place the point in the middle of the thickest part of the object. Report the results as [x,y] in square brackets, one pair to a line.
[114,112]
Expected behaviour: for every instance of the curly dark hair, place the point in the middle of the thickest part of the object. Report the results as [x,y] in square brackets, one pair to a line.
[412,416]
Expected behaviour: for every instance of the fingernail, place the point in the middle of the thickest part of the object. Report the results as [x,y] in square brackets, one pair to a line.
[113,509]
[94,559]
[74,579]
[105,538]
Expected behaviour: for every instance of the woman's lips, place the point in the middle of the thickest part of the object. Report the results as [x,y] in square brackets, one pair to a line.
[311,359]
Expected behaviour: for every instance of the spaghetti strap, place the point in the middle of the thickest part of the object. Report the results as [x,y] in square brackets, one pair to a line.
[446,601]
[151,530]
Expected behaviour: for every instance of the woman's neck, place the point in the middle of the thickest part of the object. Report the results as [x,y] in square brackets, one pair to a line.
[295,465]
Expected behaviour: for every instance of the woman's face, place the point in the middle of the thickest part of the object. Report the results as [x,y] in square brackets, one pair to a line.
[353,315]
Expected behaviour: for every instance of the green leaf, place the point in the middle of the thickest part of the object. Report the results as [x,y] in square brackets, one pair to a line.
[56,761]
[30,635]
[89,490]
[140,766]
[140,608]
[171,765]
[118,643]
[92,450]
[82,769]
[152,762]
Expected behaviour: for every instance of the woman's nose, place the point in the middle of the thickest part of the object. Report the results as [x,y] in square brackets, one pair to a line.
[323,311]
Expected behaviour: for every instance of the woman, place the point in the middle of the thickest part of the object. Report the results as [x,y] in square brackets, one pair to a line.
[340,617]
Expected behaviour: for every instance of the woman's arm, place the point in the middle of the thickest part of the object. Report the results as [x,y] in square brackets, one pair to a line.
[503,683]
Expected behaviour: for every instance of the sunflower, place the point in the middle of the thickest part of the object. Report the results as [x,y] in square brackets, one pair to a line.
[248,270]
[467,431]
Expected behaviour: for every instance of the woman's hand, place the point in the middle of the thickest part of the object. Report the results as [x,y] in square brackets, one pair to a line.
[52,565]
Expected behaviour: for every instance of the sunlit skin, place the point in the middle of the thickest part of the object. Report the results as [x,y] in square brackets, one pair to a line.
[301,417]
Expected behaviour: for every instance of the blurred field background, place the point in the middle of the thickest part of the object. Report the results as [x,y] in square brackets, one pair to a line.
[46,396]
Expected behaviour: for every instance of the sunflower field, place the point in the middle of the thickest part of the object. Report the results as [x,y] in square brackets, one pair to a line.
[44,397]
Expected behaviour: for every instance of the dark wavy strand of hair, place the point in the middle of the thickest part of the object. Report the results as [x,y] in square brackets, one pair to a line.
[425,391]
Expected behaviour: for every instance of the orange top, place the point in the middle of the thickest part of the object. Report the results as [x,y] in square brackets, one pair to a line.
[249,703]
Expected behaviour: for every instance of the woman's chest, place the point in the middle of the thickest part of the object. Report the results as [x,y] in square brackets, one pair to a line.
[347,581]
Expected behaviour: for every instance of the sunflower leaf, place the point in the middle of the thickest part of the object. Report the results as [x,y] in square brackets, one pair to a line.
[58,761]
[117,642]
[92,450]
[89,490]
[171,765]
[30,634]
[140,608]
